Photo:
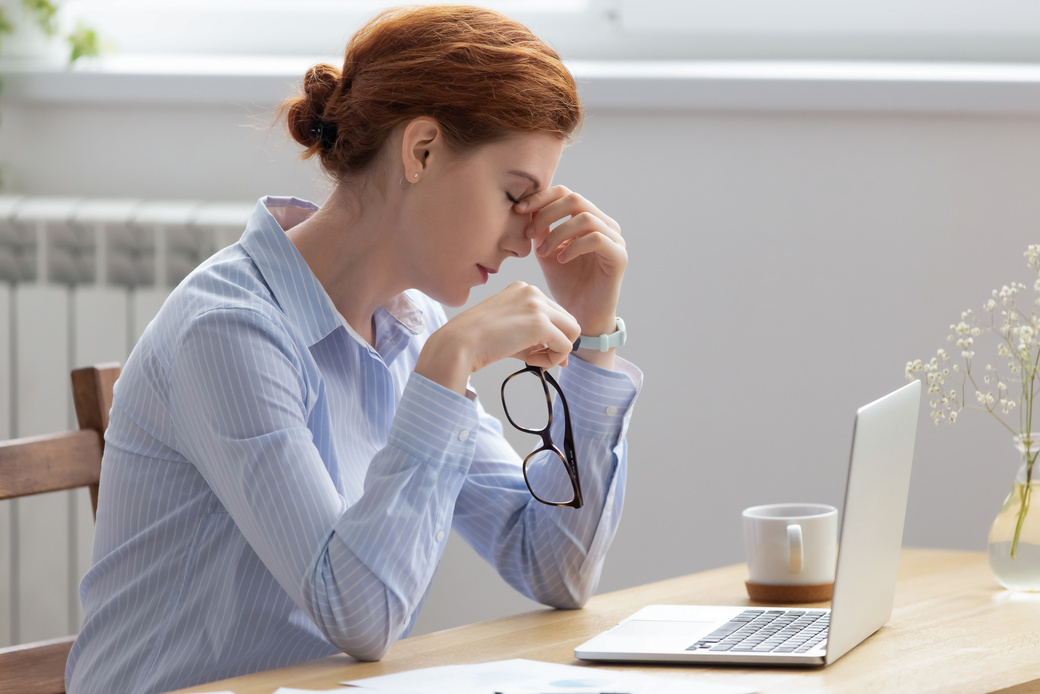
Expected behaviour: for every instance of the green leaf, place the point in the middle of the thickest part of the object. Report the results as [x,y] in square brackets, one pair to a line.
[82,42]
[6,27]
[46,14]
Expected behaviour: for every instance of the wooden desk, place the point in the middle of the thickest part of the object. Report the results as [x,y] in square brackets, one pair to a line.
[953,629]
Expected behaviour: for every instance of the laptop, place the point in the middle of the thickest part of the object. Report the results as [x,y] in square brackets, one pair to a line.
[876,492]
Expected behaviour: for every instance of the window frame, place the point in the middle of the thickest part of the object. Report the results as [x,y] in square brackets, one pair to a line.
[901,30]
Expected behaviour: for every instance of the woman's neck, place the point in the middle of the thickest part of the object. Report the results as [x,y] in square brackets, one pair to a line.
[349,246]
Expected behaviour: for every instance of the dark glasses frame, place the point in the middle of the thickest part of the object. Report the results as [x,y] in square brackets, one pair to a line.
[567,457]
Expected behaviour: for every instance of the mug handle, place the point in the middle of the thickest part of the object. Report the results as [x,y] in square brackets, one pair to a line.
[794,541]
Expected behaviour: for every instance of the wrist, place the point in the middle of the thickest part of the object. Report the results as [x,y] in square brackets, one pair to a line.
[614,337]
[444,363]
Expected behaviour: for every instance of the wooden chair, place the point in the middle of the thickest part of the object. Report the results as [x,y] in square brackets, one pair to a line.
[51,463]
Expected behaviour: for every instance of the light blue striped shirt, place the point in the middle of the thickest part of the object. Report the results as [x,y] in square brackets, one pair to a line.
[275,490]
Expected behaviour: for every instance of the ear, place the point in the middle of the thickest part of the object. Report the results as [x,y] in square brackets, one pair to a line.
[421,136]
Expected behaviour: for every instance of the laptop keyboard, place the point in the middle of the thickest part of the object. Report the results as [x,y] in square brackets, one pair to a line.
[768,631]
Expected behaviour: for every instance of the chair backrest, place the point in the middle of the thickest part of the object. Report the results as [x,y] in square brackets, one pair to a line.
[51,463]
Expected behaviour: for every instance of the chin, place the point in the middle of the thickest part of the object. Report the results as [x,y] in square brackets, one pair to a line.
[450,296]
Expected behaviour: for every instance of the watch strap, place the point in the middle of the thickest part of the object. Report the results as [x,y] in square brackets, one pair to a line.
[604,342]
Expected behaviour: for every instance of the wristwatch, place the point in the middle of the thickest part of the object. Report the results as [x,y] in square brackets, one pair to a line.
[605,342]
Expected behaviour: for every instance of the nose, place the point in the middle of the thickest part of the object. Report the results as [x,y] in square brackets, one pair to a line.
[515,240]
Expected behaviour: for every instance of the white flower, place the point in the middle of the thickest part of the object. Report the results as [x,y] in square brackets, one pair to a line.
[1016,332]
[1032,255]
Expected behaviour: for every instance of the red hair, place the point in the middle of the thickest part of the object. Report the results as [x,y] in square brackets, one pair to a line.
[481,75]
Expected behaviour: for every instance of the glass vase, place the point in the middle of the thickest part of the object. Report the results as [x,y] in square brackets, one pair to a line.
[1014,537]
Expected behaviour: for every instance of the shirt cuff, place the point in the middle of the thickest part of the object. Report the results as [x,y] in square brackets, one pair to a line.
[434,422]
[600,400]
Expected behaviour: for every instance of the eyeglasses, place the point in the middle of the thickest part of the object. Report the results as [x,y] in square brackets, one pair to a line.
[553,478]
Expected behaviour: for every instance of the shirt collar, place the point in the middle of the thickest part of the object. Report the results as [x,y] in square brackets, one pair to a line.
[294,286]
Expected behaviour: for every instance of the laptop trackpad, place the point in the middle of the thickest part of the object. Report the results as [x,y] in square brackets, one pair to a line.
[658,636]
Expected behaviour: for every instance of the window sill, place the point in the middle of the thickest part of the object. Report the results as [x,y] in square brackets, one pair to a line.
[632,85]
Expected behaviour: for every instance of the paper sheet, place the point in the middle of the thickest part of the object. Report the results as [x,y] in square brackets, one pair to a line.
[534,677]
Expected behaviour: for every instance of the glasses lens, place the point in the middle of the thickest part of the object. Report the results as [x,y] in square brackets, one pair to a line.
[547,477]
[524,399]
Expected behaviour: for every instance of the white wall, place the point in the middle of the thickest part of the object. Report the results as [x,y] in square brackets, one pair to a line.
[784,267]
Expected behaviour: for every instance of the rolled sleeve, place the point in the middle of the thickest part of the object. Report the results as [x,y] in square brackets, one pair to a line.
[554,555]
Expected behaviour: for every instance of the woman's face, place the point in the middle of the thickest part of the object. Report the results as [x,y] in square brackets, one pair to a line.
[462,222]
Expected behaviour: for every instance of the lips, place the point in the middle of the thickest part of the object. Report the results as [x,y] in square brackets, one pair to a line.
[485,271]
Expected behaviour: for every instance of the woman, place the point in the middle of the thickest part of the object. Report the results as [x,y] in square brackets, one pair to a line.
[294,436]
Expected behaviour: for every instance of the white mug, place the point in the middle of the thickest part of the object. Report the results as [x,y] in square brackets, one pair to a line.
[791,544]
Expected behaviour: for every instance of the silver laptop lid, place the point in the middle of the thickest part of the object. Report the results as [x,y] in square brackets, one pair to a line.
[872,522]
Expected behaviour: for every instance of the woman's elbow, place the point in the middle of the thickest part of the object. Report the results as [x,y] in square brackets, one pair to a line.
[368,652]
[572,594]
[365,631]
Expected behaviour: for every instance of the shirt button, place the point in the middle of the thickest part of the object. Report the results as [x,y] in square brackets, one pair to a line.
[440,536]
[611,410]
[464,435]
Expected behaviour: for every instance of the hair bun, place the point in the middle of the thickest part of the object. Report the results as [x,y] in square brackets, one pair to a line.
[305,112]
[320,81]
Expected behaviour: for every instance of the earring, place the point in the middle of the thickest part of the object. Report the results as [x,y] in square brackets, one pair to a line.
[405,185]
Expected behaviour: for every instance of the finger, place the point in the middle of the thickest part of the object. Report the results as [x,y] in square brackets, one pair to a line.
[537,200]
[576,227]
[543,359]
[558,207]
[548,207]
[542,356]
[594,242]
[545,348]
[543,322]
[539,300]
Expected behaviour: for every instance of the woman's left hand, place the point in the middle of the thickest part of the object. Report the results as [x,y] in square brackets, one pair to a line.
[583,258]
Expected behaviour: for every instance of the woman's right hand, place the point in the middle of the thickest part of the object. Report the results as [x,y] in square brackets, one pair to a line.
[520,321]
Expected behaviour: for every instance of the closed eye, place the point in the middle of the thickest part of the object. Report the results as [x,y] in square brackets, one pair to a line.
[512,199]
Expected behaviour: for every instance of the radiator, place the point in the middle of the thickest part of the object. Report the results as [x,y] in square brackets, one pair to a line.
[79,281]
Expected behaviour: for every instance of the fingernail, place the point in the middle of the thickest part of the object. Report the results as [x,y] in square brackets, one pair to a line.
[521,206]
[543,248]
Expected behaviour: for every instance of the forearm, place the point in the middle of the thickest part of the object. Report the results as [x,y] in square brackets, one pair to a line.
[553,554]
[372,573]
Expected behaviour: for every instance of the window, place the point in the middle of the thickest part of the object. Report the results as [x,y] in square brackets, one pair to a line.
[948,30]
[299,27]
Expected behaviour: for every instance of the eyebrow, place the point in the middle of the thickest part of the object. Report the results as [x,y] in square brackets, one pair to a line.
[529,177]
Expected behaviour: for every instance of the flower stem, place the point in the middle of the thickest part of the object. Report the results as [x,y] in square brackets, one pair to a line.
[1024,495]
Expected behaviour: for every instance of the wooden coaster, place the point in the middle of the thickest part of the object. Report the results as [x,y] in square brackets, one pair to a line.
[815,592]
